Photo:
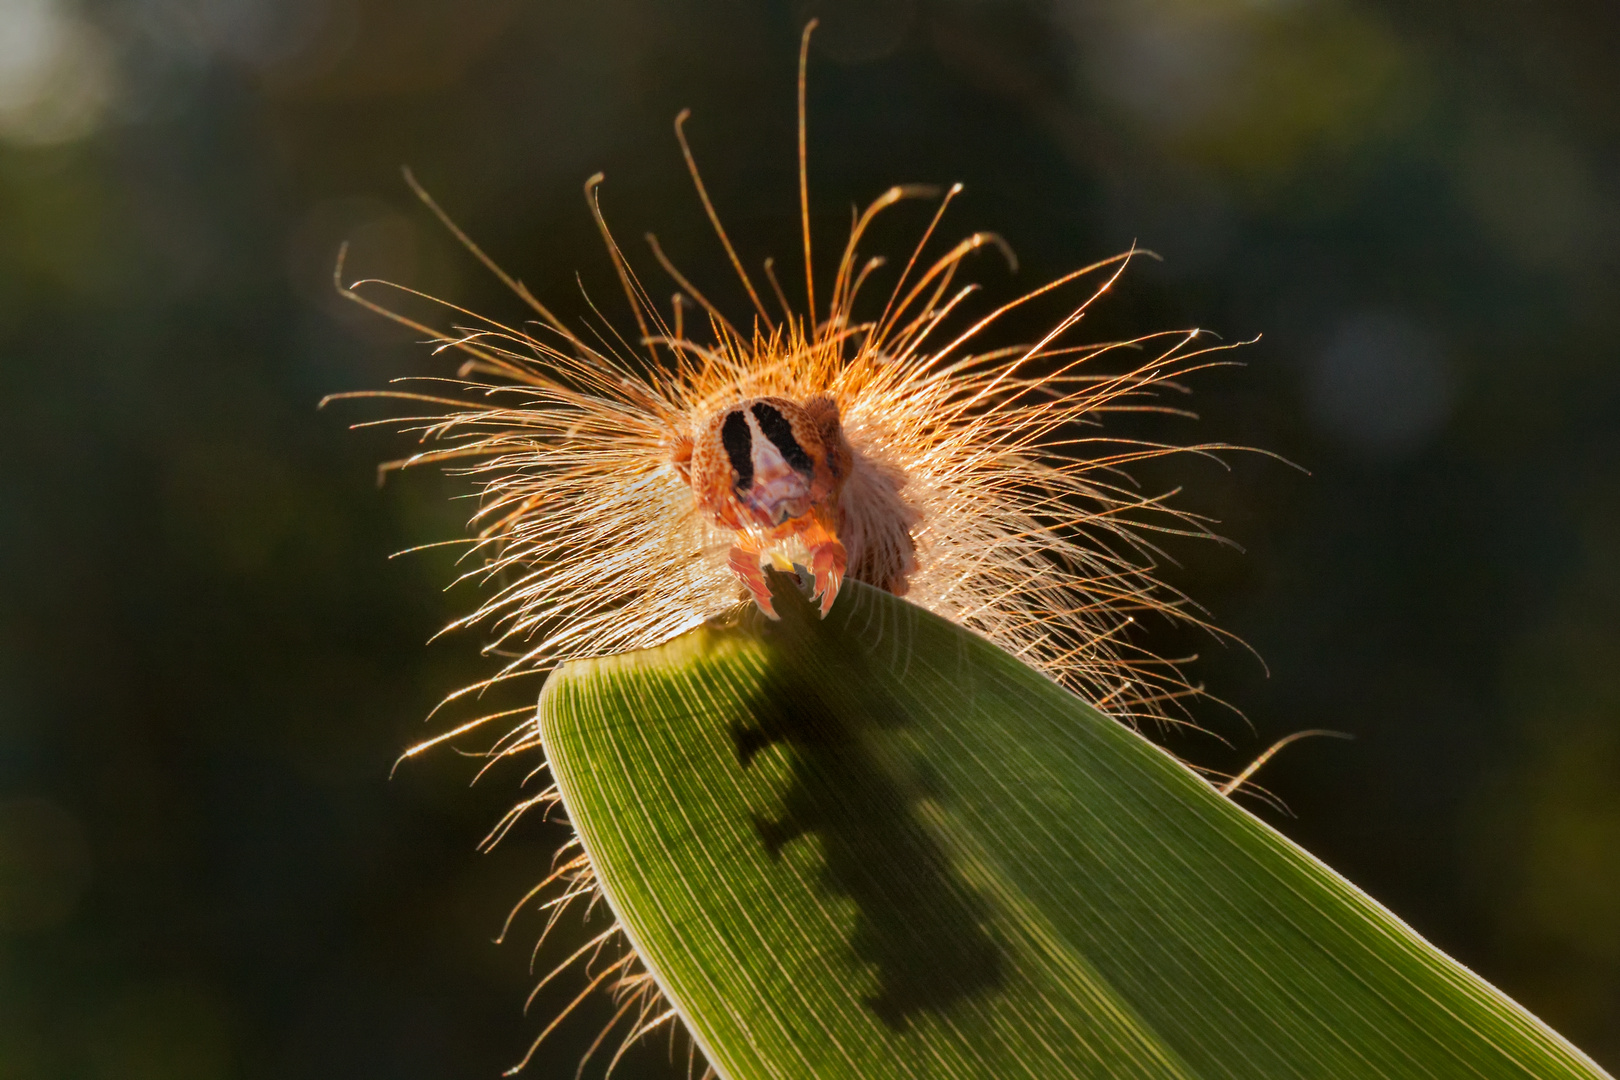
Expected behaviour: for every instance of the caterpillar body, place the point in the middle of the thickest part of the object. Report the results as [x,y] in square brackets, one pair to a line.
[632,487]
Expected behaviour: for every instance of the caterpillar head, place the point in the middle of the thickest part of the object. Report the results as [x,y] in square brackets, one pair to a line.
[769,467]
[773,470]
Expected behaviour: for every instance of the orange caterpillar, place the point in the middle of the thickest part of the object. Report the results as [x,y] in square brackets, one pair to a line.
[626,498]
[630,492]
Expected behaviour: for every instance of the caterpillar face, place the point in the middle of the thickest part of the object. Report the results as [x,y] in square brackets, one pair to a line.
[773,470]
[770,466]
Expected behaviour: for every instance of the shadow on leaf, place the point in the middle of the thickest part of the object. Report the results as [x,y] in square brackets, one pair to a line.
[922,927]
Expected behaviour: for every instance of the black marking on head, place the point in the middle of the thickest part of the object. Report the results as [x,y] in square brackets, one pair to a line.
[739,444]
[779,430]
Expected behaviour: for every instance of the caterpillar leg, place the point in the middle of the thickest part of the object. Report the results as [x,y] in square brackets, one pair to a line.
[745,564]
[828,563]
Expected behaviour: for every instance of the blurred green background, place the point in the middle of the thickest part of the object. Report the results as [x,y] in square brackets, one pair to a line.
[208,662]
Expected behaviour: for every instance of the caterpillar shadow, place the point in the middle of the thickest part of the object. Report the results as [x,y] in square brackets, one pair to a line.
[924,930]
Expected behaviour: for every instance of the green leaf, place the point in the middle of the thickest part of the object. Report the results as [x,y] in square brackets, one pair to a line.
[878,846]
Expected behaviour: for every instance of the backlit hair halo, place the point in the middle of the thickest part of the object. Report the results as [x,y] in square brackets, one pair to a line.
[630,492]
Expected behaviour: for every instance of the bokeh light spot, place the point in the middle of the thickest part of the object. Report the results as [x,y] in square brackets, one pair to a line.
[1256,90]
[1380,387]
[56,74]
[1535,196]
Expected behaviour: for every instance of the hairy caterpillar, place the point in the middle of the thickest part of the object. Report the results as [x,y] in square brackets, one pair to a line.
[631,489]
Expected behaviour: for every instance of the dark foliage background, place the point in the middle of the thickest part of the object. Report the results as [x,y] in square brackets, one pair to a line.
[207,662]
